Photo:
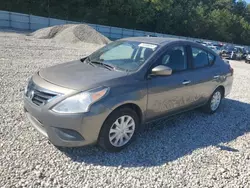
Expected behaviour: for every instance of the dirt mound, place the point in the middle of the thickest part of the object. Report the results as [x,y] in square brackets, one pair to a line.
[49,32]
[71,33]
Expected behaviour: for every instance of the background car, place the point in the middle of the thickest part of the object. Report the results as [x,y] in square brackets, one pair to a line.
[242,51]
[247,60]
[216,49]
[219,44]
[232,52]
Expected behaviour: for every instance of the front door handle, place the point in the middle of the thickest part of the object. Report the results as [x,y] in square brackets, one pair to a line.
[216,77]
[186,82]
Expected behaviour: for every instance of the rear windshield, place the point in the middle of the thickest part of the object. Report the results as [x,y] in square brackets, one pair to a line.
[124,55]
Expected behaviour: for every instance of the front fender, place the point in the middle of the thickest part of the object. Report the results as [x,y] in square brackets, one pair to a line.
[128,94]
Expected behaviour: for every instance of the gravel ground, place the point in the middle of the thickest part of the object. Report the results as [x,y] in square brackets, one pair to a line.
[190,150]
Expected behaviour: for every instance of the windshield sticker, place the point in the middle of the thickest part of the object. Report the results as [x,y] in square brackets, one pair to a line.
[151,46]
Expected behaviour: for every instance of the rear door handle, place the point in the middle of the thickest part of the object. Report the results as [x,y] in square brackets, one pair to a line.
[186,82]
[216,77]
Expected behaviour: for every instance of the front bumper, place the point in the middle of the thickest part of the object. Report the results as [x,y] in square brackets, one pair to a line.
[66,130]
[58,128]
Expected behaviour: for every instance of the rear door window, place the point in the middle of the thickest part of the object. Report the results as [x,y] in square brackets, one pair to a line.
[201,58]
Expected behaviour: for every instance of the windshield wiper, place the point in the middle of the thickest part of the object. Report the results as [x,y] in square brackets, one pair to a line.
[105,65]
[100,63]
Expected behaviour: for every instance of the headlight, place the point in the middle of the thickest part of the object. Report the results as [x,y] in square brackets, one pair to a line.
[80,102]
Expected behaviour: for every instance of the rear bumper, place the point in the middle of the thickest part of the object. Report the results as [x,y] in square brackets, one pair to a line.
[226,55]
[228,85]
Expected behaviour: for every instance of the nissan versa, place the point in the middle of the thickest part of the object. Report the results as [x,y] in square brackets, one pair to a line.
[108,96]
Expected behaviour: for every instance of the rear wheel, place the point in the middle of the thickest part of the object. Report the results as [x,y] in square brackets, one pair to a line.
[119,130]
[214,101]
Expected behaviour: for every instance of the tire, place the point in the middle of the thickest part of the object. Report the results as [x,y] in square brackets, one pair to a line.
[107,139]
[209,108]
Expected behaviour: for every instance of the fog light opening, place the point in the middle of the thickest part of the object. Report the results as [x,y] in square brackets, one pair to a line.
[68,134]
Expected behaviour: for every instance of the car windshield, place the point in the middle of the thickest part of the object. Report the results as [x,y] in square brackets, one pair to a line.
[124,55]
[237,49]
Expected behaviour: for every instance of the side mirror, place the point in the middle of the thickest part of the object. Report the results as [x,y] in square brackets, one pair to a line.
[161,70]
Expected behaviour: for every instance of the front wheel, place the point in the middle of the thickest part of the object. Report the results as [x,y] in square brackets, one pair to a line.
[119,130]
[214,102]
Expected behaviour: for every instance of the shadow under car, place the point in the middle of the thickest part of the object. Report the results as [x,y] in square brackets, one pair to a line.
[172,138]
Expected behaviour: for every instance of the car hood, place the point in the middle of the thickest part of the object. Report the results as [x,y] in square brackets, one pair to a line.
[78,75]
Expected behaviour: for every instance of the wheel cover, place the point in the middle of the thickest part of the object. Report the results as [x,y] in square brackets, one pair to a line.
[215,102]
[122,131]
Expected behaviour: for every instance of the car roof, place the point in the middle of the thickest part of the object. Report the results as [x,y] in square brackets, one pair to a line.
[153,40]
[239,47]
[161,41]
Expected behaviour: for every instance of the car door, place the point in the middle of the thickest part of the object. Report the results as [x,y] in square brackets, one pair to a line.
[203,75]
[169,94]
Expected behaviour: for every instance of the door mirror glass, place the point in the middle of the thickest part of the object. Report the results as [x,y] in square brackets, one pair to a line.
[161,70]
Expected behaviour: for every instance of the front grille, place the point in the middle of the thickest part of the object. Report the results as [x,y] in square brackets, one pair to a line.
[37,95]
[41,98]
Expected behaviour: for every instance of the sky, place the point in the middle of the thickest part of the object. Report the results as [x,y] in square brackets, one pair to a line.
[248,1]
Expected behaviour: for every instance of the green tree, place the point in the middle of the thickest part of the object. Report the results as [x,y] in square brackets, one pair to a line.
[223,20]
